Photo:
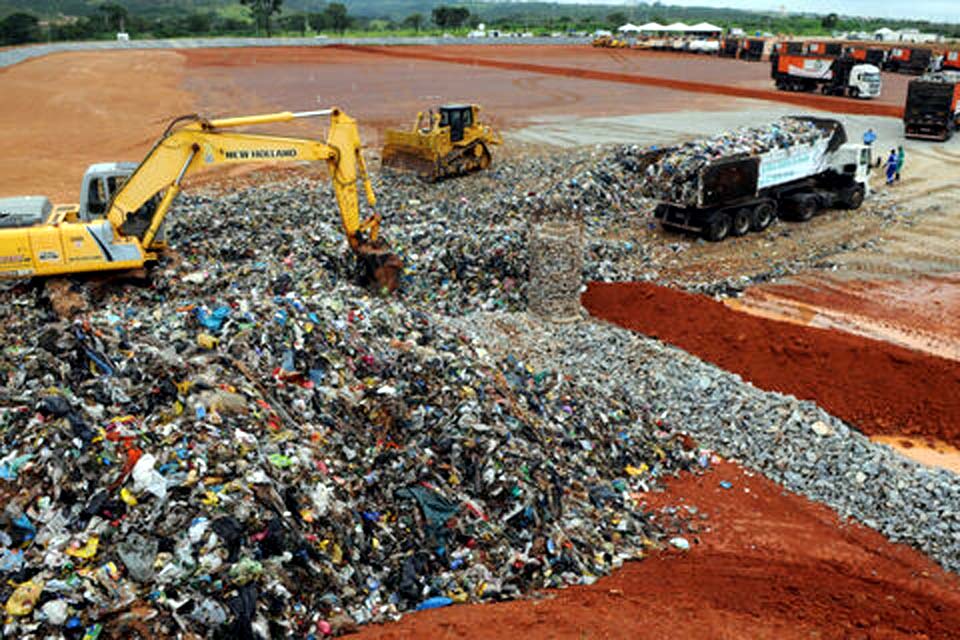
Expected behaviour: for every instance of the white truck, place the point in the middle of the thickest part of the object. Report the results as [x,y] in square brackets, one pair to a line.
[842,76]
[733,195]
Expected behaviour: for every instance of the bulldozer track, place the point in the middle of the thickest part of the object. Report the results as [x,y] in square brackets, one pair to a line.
[814,101]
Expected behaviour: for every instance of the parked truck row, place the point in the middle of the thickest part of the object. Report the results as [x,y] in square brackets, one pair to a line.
[895,59]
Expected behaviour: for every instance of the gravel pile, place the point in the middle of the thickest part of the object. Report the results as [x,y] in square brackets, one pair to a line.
[792,442]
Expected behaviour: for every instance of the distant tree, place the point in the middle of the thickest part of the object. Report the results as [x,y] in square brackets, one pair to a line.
[336,17]
[114,16]
[450,17]
[830,21]
[617,18]
[414,21]
[19,28]
[262,11]
[199,23]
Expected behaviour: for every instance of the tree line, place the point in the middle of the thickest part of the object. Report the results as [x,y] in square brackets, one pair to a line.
[264,17]
[268,17]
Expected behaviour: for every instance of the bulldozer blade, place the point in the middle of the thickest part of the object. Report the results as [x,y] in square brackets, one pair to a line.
[404,160]
[379,267]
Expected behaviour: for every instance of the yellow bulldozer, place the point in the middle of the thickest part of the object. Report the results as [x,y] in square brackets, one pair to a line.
[119,222]
[449,142]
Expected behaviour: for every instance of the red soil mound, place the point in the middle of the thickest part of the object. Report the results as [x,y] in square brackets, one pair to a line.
[878,387]
[766,564]
[813,101]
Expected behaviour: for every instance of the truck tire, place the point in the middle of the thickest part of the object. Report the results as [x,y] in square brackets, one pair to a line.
[740,223]
[806,207]
[853,198]
[763,216]
[854,92]
[718,228]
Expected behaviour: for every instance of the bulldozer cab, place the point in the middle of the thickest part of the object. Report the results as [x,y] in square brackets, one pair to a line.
[458,117]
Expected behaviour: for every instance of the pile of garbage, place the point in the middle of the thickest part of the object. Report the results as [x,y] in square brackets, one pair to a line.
[465,243]
[254,447]
[943,77]
[672,175]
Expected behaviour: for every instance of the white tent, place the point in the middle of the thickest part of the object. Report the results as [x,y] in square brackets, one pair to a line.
[652,27]
[705,27]
[677,26]
[628,28]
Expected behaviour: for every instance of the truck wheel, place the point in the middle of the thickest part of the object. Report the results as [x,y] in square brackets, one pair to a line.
[806,208]
[854,92]
[718,228]
[853,198]
[763,216]
[740,222]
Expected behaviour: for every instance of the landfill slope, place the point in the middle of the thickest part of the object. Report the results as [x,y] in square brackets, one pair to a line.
[879,393]
[253,443]
[762,563]
[266,445]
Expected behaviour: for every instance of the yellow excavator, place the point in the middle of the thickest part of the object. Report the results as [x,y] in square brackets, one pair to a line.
[119,222]
[450,142]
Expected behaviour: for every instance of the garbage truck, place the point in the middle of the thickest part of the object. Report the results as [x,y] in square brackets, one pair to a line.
[792,169]
[933,106]
[951,60]
[832,76]
[910,61]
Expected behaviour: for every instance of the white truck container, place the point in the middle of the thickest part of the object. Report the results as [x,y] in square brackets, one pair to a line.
[736,194]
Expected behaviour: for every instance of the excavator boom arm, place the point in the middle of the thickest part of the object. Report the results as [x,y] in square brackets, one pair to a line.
[201,144]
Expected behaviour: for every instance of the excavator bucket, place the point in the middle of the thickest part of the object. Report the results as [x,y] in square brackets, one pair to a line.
[379,266]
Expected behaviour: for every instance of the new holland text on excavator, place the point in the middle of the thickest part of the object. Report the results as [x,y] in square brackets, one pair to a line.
[119,222]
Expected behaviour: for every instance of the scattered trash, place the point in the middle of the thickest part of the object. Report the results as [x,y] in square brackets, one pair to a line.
[680,543]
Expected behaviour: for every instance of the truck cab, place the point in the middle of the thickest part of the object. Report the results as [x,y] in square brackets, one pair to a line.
[865,81]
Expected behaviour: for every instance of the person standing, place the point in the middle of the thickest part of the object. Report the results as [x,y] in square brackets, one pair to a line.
[900,157]
[891,166]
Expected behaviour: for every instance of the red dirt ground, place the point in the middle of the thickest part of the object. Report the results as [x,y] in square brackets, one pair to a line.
[385,91]
[473,56]
[766,564]
[919,313]
[878,387]
[664,64]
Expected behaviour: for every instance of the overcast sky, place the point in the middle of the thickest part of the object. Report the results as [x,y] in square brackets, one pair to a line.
[940,10]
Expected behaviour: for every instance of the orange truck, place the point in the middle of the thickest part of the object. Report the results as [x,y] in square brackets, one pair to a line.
[951,60]
[904,60]
[869,55]
[824,48]
[933,106]
[832,76]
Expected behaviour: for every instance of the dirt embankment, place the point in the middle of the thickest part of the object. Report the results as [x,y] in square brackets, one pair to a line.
[765,564]
[878,387]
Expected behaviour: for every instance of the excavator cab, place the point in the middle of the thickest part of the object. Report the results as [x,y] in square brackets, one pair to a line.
[100,183]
